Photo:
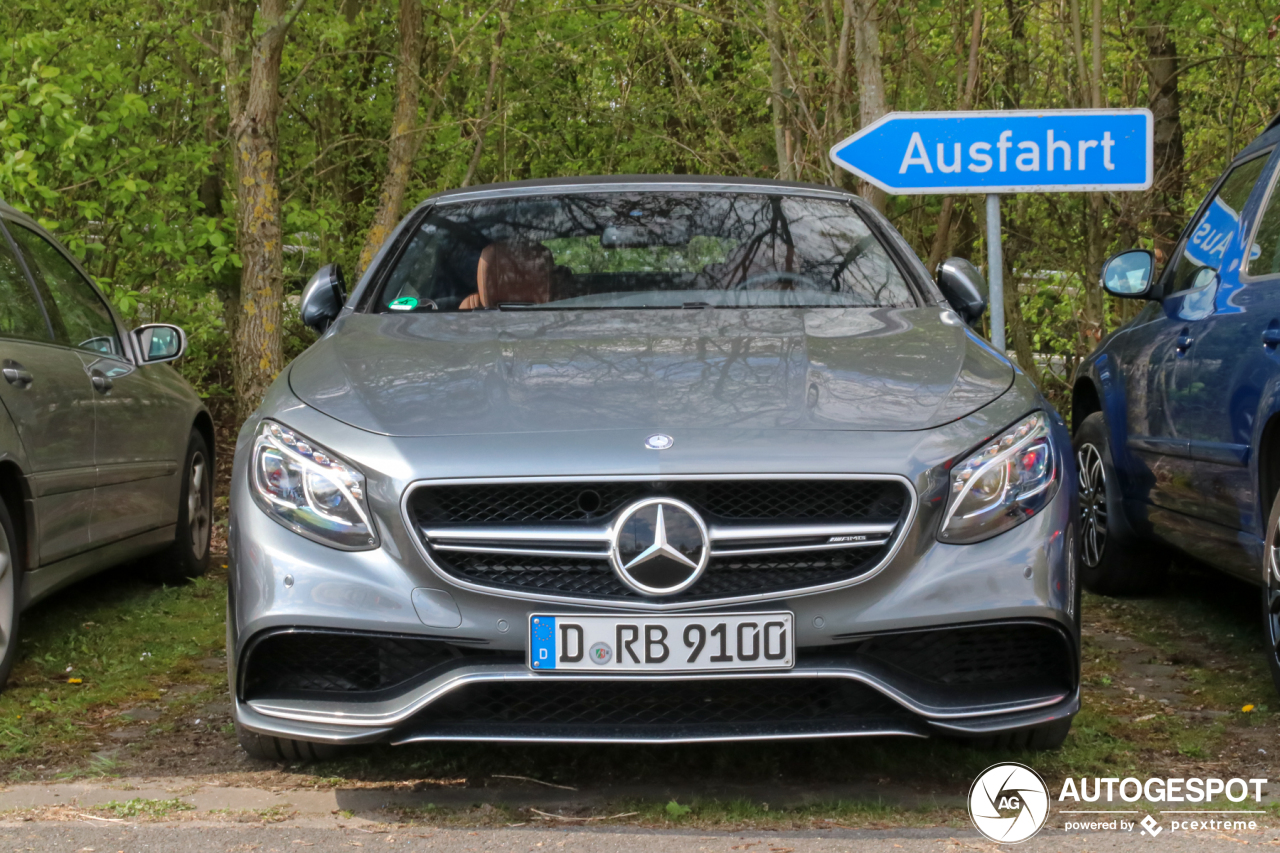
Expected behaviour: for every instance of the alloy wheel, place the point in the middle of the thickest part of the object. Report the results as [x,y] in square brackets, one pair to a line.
[1093,504]
[199,499]
[1272,559]
[8,596]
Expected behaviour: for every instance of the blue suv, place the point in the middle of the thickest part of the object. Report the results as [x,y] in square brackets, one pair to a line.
[1177,414]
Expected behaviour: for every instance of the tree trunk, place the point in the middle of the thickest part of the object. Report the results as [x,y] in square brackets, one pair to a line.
[1077,48]
[1094,302]
[777,79]
[1016,80]
[871,98]
[942,234]
[406,134]
[258,351]
[1167,186]
[486,109]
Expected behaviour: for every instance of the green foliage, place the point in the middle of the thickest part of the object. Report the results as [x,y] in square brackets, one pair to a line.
[675,811]
[114,126]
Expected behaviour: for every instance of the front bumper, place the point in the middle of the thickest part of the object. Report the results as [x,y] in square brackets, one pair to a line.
[281,582]
[970,679]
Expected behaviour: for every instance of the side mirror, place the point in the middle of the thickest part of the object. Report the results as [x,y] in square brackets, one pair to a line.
[159,342]
[1128,274]
[323,297]
[964,288]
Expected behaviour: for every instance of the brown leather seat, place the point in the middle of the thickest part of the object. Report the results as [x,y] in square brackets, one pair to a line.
[511,272]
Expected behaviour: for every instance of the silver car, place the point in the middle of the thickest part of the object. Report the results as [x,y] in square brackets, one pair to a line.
[106,453]
[650,459]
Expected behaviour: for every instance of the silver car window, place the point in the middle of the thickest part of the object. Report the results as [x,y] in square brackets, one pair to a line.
[82,319]
[643,250]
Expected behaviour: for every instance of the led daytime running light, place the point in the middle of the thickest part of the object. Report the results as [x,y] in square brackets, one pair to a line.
[309,490]
[1002,484]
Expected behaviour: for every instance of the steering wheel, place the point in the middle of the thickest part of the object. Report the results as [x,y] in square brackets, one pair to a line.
[780,275]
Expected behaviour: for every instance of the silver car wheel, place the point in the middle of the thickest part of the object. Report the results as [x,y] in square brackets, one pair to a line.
[199,500]
[1272,558]
[1093,504]
[8,596]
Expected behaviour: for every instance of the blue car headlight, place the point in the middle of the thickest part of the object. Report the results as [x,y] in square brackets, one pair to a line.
[1003,484]
[310,490]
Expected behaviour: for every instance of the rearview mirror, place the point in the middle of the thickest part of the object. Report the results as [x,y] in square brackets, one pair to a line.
[159,342]
[323,297]
[964,288]
[1128,274]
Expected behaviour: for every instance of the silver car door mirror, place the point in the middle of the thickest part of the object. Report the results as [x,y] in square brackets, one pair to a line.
[159,342]
[964,288]
[1128,274]
[323,297]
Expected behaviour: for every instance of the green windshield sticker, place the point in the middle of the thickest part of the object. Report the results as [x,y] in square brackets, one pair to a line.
[404,303]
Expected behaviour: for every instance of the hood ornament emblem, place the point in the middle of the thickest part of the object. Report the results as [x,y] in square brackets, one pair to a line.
[659,441]
[659,546]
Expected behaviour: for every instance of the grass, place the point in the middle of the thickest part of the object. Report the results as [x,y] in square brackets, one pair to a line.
[105,645]
[698,813]
[157,809]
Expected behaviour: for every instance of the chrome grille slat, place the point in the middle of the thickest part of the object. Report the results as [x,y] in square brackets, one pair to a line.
[548,538]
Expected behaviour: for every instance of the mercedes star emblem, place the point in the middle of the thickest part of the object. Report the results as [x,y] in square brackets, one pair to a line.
[659,442]
[659,546]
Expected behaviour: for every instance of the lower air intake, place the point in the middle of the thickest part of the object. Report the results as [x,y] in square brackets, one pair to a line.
[559,709]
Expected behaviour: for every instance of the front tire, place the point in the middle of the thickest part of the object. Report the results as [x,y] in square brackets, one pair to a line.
[1112,559]
[10,572]
[188,556]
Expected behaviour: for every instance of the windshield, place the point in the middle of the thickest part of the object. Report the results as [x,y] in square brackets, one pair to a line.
[643,250]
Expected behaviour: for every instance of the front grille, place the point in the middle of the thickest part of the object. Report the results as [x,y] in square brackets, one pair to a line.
[777,501]
[723,504]
[662,709]
[725,577]
[982,655]
[295,663]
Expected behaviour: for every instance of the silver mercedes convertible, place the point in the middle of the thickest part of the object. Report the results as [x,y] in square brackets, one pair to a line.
[650,460]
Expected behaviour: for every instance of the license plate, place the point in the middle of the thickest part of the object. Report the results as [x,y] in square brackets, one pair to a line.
[631,643]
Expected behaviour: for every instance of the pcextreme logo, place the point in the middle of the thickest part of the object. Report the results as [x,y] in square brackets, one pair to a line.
[1009,803]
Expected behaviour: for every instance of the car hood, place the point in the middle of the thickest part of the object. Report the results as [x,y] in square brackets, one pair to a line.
[527,371]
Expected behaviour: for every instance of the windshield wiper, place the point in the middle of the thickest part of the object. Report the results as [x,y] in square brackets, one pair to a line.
[697,305]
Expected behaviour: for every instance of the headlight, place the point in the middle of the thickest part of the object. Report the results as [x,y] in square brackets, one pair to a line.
[1003,484]
[309,490]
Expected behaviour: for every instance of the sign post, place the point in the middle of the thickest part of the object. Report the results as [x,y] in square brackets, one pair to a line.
[995,272]
[996,153]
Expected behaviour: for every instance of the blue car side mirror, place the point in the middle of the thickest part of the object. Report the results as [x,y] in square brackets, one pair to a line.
[323,297]
[964,288]
[1128,274]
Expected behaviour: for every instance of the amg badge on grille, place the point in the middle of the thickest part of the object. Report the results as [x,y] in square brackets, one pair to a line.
[659,546]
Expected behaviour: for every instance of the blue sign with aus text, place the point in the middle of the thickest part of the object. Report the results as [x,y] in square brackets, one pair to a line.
[1003,152]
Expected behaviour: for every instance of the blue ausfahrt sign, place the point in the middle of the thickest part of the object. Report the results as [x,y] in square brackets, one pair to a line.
[1003,152]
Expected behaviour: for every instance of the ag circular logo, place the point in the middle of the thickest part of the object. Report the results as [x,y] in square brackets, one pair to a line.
[1009,803]
[659,546]
[600,653]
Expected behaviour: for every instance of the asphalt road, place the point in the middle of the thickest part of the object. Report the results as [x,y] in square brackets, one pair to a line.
[85,837]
